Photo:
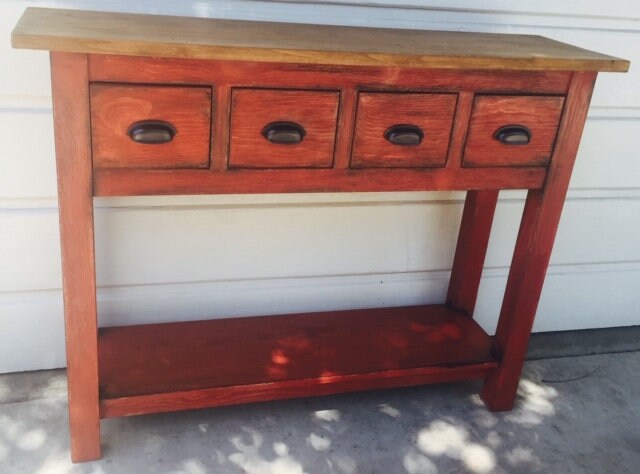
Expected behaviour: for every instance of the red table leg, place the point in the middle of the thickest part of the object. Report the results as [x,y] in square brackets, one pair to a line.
[533,250]
[75,196]
[477,217]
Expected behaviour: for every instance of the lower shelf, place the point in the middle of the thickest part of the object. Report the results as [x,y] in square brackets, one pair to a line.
[165,367]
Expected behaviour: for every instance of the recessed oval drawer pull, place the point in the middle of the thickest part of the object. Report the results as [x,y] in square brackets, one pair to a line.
[151,132]
[284,133]
[404,135]
[513,135]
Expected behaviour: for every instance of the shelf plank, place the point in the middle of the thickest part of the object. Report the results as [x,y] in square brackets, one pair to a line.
[249,359]
[221,396]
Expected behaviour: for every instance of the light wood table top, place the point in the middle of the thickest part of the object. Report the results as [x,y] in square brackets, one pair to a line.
[202,38]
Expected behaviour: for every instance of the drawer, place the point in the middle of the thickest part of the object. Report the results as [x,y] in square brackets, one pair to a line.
[279,128]
[512,130]
[402,129]
[135,126]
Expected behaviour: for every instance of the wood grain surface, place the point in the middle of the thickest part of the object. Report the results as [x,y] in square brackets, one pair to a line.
[166,36]
[471,249]
[252,109]
[75,196]
[115,107]
[377,112]
[257,392]
[159,358]
[540,114]
[138,69]
[123,182]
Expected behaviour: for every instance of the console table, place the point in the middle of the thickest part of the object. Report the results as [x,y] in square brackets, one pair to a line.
[152,105]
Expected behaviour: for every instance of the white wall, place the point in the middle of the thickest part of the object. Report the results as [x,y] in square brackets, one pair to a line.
[195,257]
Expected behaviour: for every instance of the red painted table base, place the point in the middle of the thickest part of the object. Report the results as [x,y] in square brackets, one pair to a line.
[153,368]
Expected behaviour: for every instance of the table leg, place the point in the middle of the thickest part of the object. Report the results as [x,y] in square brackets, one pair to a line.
[533,249]
[75,197]
[473,238]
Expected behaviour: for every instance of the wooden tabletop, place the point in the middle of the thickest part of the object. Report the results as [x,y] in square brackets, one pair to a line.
[182,37]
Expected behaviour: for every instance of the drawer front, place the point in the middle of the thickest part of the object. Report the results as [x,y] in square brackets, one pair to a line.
[283,128]
[402,129]
[512,130]
[136,126]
